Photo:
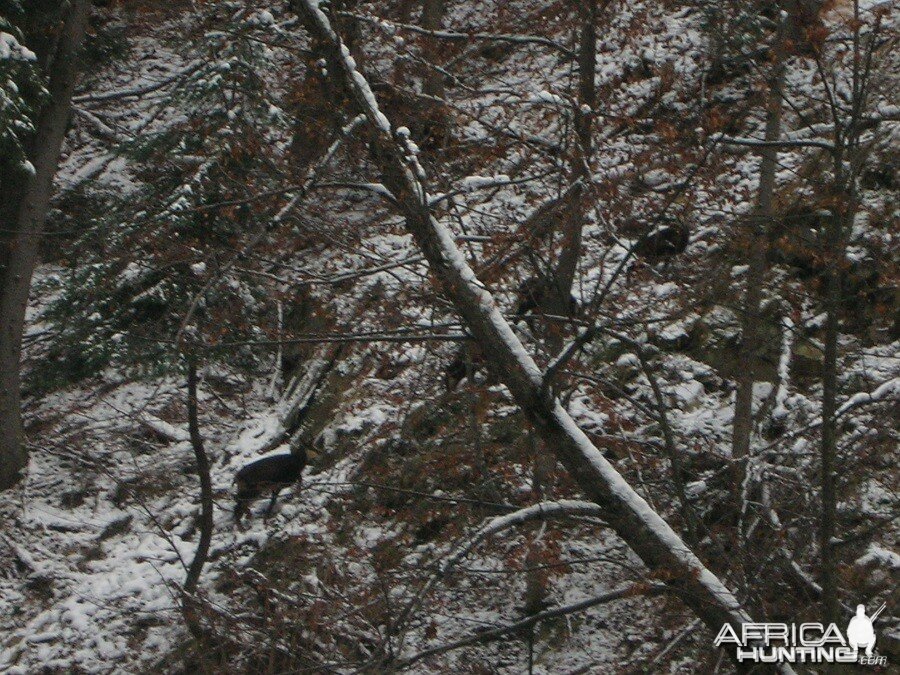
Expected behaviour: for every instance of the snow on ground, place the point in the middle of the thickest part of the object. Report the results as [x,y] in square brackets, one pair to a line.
[95,544]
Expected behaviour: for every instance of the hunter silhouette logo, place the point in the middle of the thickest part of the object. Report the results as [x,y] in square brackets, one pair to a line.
[805,642]
[860,631]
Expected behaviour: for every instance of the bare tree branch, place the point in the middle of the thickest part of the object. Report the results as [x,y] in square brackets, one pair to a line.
[459,36]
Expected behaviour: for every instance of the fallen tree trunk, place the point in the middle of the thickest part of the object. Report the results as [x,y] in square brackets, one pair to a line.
[648,535]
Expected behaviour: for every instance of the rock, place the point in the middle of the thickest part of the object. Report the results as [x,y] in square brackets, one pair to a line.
[806,359]
[716,340]
[678,336]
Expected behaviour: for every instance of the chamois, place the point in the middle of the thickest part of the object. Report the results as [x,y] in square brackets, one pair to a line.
[667,239]
[274,473]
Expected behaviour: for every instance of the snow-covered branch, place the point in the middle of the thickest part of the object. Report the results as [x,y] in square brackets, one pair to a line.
[880,393]
[376,189]
[784,368]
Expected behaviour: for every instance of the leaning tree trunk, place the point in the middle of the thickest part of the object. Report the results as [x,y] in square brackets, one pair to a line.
[759,223]
[624,510]
[23,224]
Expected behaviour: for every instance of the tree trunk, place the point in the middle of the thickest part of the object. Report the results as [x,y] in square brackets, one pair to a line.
[840,222]
[848,157]
[206,495]
[24,213]
[432,15]
[759,224]
[624,510]
[573,225]
[829,424]
[192,579]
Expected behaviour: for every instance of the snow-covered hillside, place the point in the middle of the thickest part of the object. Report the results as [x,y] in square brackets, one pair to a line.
[219,200]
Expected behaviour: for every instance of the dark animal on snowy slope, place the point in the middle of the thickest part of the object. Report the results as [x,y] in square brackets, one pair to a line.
[269,474]
[667,239]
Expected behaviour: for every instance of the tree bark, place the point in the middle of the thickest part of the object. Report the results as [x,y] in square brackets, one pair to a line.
[573,225]
[848,158]
[192,579]
[828,525]
[432,15]
[661,549]
[206,495]
[759,225]
[23,221]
